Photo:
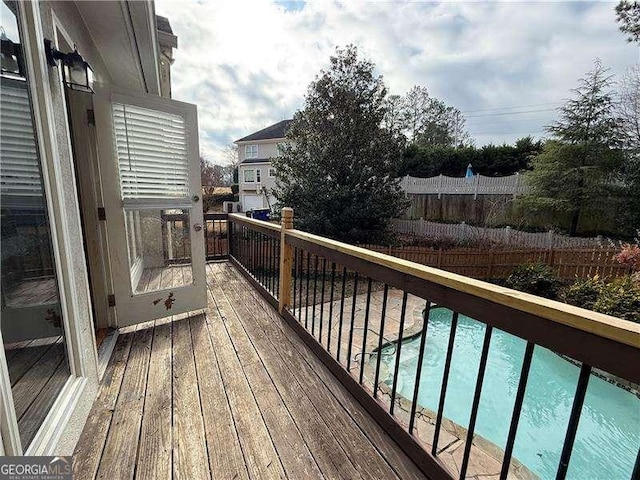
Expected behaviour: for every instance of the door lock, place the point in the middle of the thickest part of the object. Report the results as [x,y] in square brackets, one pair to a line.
[195,198]
[197,227]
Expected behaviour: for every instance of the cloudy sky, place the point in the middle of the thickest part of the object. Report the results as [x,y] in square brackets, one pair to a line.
[507,66]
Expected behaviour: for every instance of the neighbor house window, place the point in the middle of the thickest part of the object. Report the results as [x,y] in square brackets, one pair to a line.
[249,176]
[272,172]
[258,172]
[251,151]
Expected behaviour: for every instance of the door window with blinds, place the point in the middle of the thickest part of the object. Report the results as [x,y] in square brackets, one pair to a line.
[153,165]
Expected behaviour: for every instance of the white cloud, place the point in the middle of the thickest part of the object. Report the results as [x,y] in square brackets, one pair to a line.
[248,64]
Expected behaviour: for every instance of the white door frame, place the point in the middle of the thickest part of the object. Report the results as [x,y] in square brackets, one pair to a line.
[79,391]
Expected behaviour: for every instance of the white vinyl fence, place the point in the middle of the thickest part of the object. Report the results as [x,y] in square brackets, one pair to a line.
[507,235]
[476,185]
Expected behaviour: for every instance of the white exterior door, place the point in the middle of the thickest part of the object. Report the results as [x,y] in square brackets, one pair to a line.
[150,166]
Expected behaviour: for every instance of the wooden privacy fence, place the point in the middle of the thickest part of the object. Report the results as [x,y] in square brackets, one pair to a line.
[476,185]
[500,263]
[506,235]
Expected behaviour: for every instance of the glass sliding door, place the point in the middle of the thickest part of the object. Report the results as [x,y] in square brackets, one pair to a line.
[31,318]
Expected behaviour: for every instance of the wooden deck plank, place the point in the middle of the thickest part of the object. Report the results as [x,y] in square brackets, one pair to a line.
[88,452]
[365,456]
[390,450]
[295,456]
[21,361]
[38,410]
[155,451]
[27,389]
[259,453]
[122,441]
[167,277]
[331,459]
[189,450]
[216,413]
[155,279]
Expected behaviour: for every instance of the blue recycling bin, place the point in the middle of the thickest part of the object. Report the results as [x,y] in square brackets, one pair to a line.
[261,214]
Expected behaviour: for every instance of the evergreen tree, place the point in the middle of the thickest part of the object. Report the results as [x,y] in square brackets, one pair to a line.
[577,168]
[629,113]
[335,169]
[628,15]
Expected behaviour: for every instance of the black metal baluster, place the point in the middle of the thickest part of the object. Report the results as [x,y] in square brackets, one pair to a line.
[416,385]
[353,320]
[574,419]
[344,285]
[266,264]
[324,274]
[270,269]
[329,329]
[364,332]
[315,290]
[306,303]
[295,279]
[260,266]
[476,400]
[445,382]
[380,340]
[517,409]
[300,289]
[398,351]
[276,266]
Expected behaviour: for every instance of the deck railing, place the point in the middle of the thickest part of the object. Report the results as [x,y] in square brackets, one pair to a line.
[353,306]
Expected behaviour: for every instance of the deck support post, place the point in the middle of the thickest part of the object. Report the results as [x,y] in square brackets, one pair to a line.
[286,261]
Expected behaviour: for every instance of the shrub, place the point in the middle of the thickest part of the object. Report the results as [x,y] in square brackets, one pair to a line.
[535,278]
[620,298]
[630,256]
[583,293]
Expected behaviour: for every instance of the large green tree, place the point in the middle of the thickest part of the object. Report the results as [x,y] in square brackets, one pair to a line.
[430,122]
[577,169]
[336,167]
[629,113]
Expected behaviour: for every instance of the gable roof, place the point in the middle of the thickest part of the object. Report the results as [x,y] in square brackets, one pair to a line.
[277,130]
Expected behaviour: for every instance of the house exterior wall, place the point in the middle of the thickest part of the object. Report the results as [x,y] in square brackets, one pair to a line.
[266,149]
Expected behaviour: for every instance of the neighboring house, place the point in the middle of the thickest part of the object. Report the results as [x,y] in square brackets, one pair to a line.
[256,176]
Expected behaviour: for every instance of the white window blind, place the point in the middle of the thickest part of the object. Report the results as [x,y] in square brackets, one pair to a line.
[152,152]
[19,169]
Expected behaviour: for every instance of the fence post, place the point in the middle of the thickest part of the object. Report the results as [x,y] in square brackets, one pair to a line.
[230,251]
[286,261]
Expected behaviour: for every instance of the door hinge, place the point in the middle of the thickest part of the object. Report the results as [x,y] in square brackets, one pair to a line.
[102,214]
[91,117]
[112,300]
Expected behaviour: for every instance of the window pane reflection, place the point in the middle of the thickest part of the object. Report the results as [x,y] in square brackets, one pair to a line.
[31,317]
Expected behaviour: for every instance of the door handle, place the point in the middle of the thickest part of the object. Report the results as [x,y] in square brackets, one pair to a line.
[197,227]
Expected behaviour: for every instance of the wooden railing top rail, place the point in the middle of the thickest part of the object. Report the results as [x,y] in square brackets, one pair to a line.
[588,321]
[266,227]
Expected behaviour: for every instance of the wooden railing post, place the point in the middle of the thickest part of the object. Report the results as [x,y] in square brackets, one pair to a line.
[286,261]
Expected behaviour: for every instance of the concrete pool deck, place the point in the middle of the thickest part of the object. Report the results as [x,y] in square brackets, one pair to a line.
[485,460]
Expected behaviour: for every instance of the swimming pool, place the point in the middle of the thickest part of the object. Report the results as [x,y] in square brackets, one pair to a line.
[608,435]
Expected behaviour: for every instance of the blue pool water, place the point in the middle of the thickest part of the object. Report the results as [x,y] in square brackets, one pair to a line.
[608,435]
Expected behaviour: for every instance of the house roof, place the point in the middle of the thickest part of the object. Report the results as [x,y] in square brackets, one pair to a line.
[163,24]
[277,130]
[256,160]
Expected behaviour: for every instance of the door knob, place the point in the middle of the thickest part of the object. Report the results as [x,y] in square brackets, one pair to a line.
[197,227]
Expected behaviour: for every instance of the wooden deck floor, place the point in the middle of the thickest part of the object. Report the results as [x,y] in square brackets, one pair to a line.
[229,394]
[157,278]
[38,370]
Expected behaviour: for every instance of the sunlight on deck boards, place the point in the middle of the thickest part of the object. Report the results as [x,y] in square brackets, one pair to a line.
[233,393]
